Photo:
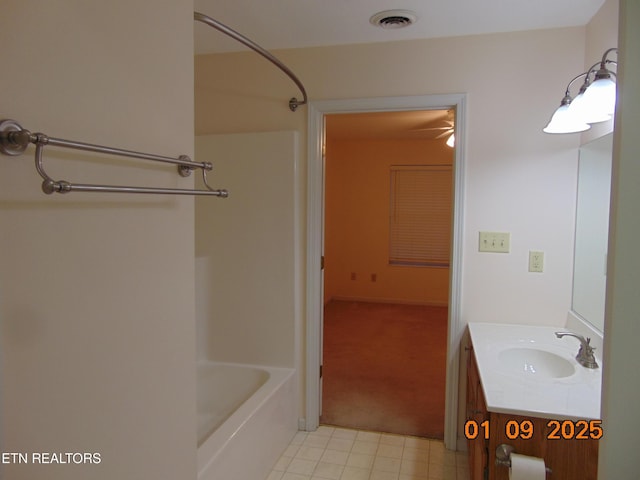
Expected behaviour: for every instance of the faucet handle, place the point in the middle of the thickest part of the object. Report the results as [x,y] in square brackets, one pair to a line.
[585,355]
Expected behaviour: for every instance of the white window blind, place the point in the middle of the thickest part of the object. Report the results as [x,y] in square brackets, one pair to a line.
[420,215]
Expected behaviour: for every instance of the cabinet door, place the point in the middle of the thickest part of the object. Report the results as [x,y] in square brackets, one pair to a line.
[570,458]
[477,416]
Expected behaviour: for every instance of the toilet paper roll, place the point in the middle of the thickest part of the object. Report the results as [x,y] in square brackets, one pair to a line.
[524,467]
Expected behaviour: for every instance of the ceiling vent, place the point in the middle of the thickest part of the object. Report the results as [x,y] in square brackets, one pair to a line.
[393,19]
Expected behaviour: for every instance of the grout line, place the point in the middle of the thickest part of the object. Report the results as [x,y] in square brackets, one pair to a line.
[337,453]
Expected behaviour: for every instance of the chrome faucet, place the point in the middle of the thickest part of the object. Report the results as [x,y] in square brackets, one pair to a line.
[585,355]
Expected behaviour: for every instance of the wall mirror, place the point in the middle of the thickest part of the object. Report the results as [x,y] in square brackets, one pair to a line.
[592,228]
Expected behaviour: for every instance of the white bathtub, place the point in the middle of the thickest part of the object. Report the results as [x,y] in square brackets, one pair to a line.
[246,419]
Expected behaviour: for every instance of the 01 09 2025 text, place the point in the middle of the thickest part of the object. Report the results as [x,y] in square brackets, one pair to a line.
[524,429]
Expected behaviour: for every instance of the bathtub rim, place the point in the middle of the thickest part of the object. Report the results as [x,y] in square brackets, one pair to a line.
[213,446]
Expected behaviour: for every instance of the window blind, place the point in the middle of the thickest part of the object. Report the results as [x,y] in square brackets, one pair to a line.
[420,215]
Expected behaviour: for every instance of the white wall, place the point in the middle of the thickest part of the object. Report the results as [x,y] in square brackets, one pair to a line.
[518,179]
[97,305]
[246,287]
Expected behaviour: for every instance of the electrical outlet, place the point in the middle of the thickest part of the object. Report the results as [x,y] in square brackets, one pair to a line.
[536,261]
[374,277]
[495,242]
[353,275]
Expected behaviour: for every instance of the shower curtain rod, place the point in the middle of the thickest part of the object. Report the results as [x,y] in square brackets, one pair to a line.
[14,141]
[294,103]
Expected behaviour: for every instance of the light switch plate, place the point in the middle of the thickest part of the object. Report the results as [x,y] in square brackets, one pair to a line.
[496,242]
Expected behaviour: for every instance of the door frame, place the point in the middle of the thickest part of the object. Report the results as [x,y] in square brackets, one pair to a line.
[315,231]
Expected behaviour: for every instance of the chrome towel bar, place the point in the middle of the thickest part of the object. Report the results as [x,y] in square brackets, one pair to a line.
[14,141]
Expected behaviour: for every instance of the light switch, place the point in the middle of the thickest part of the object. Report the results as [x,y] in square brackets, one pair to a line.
[496,242]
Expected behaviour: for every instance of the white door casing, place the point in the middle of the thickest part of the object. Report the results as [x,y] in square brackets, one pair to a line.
[315,226]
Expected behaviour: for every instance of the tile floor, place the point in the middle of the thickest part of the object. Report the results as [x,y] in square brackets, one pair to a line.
[345,454]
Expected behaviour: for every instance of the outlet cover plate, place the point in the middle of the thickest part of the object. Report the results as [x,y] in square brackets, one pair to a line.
[536,261]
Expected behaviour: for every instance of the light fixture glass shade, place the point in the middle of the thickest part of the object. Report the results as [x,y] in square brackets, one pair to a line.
[600,97]
[579,108]
[451,141]
[563,121]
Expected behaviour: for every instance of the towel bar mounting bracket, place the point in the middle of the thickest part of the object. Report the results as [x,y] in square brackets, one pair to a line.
[12,141]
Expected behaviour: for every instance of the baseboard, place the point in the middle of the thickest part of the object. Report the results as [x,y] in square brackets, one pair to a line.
[394,301]
[302,424]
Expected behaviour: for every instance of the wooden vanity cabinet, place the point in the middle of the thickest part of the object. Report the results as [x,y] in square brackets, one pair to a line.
[477,412]
[568,458]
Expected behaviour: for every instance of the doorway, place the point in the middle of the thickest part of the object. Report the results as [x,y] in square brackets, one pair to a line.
[387,235]
[315,247]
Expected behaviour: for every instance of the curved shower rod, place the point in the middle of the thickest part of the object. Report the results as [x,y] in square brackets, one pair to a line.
[294,103]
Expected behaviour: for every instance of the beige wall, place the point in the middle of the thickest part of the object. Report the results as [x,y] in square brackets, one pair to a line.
[246,284]
[357,194]
[97,305]
[517,178]
[97,292]
[621,384]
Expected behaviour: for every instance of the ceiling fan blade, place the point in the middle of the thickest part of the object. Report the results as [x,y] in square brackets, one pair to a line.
[428,129]
[444,134]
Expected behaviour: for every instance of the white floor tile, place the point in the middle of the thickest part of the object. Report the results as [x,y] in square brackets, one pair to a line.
[392,451]
[355,473]
[330,471]
[301,466]
[345,433]
[333,453]
[369,436]
[310,453]
[295,476]
[378,475]
[367,448]
[336,457]
[340,444]
[386,464]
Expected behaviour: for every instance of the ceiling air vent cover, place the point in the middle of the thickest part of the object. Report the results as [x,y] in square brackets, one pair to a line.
[393,19]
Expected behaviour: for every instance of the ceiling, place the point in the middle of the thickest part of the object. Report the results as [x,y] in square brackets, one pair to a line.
[282,24]
[396,125]
[278,24]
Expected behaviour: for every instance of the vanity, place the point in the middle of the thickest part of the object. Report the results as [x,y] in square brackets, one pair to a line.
[526,391]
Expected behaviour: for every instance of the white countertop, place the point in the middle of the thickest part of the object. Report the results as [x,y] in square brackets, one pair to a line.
[572,397]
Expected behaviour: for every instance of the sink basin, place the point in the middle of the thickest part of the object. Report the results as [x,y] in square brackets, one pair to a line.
[534,362]
[527,370]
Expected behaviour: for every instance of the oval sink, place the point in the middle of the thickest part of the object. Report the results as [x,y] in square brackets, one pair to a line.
[538,363]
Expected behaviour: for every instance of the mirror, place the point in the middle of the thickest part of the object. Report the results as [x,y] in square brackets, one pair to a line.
[592,229]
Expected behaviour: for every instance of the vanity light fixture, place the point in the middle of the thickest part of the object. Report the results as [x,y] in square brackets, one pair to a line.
[562,121]
[594,103]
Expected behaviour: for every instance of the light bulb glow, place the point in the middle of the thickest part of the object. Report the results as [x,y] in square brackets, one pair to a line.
[451,141]
[579,108]
[600,97]
[563,121]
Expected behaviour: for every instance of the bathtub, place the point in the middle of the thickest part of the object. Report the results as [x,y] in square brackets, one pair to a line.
[246,419]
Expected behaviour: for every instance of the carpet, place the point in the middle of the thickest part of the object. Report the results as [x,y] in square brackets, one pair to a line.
[384,367]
